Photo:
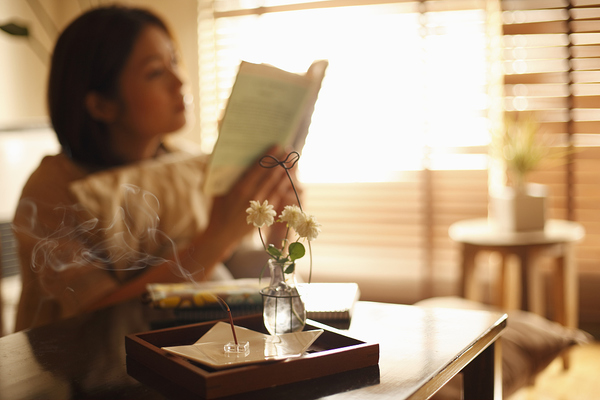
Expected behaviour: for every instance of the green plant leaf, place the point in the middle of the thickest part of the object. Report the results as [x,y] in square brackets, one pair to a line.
[296,250]
[290,268]
[16,30]
[274,251]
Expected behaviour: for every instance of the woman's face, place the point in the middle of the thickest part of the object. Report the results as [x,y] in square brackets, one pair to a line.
[150,99]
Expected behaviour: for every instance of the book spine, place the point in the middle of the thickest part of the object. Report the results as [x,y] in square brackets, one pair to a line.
[207,299]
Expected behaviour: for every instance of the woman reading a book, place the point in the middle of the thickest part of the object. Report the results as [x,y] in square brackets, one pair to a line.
[120,207]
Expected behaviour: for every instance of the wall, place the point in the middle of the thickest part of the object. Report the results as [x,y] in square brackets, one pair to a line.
[24,135]
[23,74]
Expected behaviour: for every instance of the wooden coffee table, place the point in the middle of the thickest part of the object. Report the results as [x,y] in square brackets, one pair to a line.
[421,349]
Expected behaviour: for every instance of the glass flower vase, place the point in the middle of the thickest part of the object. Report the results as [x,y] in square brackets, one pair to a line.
[283,308]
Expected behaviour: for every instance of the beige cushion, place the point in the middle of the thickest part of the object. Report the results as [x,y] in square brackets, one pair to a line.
[529,343]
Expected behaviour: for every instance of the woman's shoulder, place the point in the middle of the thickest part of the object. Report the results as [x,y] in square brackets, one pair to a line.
[53,174]
[45,195]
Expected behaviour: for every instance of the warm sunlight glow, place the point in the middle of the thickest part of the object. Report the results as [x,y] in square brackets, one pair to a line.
[393,88]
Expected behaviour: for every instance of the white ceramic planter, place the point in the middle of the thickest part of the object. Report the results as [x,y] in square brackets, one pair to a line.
[519,210]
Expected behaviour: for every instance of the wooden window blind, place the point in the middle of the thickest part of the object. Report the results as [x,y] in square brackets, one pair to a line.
[398,143]
[552,67]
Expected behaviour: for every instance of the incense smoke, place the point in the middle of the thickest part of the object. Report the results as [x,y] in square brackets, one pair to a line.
[125,242]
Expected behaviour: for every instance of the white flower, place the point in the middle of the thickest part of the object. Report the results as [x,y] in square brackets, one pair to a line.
[260,214]
[292,215]
[308,227]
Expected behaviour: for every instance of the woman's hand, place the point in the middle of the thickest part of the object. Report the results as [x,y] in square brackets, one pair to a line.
[226,228]
[228,215]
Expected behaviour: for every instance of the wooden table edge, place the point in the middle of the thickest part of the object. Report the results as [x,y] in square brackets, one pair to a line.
[458,364]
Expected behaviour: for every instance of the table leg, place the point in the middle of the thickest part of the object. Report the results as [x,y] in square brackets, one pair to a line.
[502,279]
[566,293]
[558,287]
[1,302]
[531,285]
[571,287]
[468,280]
[482,377]
[523,256]
[537,303]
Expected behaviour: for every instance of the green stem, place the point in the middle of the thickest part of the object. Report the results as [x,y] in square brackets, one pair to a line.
[285,238]
[282,266]
[296,314]
[261,239]
[310,255]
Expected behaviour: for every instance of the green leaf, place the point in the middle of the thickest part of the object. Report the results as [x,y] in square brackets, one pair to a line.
[274,251]
[290,268]
[16,30]
[297,251]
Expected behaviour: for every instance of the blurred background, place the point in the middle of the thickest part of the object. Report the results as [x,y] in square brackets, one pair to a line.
[399,146]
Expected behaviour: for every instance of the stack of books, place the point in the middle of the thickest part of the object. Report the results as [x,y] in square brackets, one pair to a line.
[329,303]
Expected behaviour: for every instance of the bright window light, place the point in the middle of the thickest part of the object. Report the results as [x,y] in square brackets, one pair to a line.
[398,83]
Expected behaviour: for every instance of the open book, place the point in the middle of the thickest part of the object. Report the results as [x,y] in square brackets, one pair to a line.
[267,106]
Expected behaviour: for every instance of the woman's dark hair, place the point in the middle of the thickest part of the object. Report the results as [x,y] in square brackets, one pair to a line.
[89,57]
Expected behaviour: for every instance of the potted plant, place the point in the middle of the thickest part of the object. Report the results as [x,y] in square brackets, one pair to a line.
[519,205]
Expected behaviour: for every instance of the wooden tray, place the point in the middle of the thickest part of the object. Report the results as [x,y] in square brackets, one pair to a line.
[332,354]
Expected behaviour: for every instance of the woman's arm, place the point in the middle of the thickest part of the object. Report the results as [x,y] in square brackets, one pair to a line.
[226,228]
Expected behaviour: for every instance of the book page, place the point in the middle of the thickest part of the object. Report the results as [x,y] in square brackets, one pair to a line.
[315,73]
[267,106]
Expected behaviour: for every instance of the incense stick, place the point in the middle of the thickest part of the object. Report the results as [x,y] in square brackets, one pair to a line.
[230,319]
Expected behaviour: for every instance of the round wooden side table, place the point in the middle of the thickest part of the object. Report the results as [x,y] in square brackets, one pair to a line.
[556,241]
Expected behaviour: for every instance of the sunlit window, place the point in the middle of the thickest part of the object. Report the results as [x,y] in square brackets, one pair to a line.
[404,86]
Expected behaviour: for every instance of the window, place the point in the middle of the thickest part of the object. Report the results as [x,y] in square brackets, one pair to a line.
[397,147]
[552,66]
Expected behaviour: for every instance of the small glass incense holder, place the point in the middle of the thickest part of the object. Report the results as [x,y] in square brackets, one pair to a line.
[234,348]
[242,348]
